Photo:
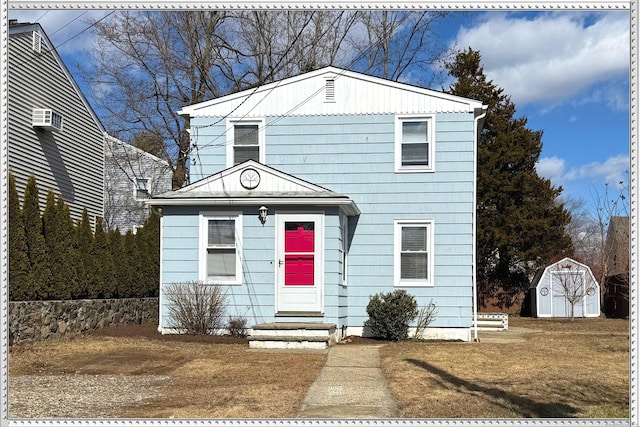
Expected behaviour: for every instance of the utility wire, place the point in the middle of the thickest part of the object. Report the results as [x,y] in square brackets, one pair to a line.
[213,143]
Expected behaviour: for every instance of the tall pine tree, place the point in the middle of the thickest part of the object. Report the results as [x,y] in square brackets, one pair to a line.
[20,277]
[520,221]
[85,258]
[60,238]
[36,245]
[105,268]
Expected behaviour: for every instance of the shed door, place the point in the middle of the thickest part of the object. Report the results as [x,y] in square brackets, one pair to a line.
[571,283]
[299,286]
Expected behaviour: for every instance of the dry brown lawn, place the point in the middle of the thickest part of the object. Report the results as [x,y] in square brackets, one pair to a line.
[559,369]
[185,379]
[551,368]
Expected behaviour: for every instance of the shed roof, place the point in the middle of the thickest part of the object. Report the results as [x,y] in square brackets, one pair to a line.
[540,273]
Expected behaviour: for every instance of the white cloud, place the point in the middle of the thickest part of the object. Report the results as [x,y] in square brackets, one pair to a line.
[553,56]
[611,171]
[551,168]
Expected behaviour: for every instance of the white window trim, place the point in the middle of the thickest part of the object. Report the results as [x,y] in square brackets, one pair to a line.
[230,137]
[202,249]
[135,188]
[397,246]
[398,168]
[345,249]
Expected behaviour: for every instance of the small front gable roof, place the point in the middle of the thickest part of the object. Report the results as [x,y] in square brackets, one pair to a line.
[272,187]
[350,93]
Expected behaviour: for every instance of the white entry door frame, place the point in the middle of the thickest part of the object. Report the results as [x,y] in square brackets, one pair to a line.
[299,263]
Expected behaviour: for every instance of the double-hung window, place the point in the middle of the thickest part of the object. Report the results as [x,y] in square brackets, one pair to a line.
[220,248]
[414,144]
[413,253]
[141,188]
[245,141]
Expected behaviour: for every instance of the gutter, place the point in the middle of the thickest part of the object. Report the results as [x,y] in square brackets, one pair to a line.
[480,114]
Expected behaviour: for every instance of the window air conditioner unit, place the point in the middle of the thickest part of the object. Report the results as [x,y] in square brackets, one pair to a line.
[47,119]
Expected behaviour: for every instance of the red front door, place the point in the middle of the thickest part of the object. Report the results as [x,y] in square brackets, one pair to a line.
[299,272]
[299,253]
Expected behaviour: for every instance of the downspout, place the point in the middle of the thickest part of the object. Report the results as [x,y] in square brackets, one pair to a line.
[480,114]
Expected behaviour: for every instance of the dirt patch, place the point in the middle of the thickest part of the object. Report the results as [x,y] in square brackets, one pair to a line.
[136,372]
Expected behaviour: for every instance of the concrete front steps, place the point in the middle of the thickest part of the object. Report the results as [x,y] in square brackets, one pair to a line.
[293,335]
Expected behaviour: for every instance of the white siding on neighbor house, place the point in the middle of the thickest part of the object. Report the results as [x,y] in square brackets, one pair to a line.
[123,165]
[71,161]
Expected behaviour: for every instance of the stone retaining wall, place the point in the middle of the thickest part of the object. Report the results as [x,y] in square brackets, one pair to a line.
[42,320]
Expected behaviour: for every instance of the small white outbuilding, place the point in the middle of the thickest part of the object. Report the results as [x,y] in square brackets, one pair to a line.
[564,285]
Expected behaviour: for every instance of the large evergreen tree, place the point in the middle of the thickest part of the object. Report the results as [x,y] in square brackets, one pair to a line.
[148,240]
[105,268]
[520,221]
[85,258]
[20,276]
[60,239]
[36,245]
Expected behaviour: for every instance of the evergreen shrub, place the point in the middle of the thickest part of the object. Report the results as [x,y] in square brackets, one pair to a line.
[390,314]
[51,258]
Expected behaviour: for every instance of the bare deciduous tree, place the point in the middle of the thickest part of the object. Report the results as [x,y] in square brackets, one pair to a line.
[572,284]
[150,64]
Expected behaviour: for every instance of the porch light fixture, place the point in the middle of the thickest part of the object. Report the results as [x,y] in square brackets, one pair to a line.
[263,211]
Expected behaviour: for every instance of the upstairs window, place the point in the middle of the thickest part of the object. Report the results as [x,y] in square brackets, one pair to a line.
[245,141]
[141,188]
[414,144]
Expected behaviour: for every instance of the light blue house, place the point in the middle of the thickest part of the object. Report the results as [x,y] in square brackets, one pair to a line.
[313,193]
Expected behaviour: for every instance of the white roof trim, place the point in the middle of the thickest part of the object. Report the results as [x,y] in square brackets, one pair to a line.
[275,187]
[260,94]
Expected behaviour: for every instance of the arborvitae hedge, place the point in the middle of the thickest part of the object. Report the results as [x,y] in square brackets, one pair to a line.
[50,258]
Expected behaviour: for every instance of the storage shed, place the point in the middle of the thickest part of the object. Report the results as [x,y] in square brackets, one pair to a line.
[558,287]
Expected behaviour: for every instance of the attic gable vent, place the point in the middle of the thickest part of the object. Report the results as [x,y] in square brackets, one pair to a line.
[330,90]
[37,42]
[46,119]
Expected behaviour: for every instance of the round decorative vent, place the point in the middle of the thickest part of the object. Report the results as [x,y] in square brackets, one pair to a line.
[249,178]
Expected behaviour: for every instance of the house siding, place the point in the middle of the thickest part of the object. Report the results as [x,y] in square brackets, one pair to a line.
[123,165]
[254,298]
[69,162]
[354,156]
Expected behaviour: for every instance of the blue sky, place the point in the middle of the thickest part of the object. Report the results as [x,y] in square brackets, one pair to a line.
[566,71]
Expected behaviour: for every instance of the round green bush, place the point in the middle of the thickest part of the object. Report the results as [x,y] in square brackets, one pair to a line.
[390,314]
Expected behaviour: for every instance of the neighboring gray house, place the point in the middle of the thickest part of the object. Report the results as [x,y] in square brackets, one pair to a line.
[131,176]
[52,130]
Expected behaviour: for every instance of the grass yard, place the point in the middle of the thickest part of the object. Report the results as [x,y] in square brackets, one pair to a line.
[190,379]
[559,369]
[542,368]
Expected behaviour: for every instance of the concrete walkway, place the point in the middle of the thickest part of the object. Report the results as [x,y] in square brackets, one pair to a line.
[350,385]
